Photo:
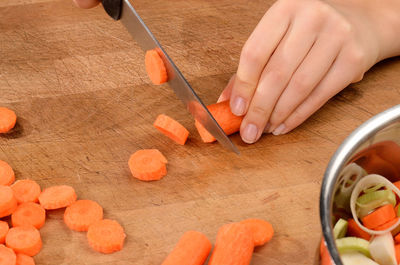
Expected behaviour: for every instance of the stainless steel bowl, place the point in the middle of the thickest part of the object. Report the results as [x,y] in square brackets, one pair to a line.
[379,130]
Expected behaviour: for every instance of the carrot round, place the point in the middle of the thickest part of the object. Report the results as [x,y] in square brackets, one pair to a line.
[81,214]
[106,236]
[379,217]
[29,213]
[8,203]
[148,165]
[7,119]
[25,240]
[3,231]
[7,176]
[26,190]
[234,245]
[7,256]
[23,259]
[155,67]
[354,230]
[192,249]
[57,197]
[221,112]
[262,230]
[171,128]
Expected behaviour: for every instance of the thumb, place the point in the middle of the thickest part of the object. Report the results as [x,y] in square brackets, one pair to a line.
[226,94]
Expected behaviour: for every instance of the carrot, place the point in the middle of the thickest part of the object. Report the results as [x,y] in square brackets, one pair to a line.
[262,230]
[7,119]
[3,231]
[386,225]
[7,256]
[397,238]
[26,190]
[81,214]
[354,230]
[56,197]
[380,216]
[325,256]
[25,240]
[192,249]
[221,112]
[7,176]
[155,67]
[397,251]
[8,203]
[171,128]
[148,164]
[29,213]
[106,236]
[234,245]
[23,259]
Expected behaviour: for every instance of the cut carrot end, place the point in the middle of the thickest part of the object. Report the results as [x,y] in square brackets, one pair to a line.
[106,236]
[57,197]
[155,67]
[171,128]
[7,256]
[7,176]
[7,119]
[3,231]
[379,217]
[26,190]
[354,230]
[23,259]
[8,203]
[25,240]
[29,213]
[81,214]
[262,230]
[147,165]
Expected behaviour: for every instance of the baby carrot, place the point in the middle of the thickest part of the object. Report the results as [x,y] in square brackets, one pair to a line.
[106,236]
[8,203]
[29,213]
[7,256]
[192,249]
[354,230]
[380,216]
[26,190]
[171,128]
[7,175]
[25,240]
[155,67]
[3,231]
[81,214]
[56,197]
[147,165]
[262,230]
[23,259]
[7,119]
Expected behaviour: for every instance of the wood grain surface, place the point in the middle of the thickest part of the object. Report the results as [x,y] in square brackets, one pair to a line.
[84,103]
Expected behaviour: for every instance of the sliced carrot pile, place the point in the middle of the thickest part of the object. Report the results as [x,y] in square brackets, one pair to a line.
[7,119]
[25,240]
[81,214]
[26,190]
[192,249]
[155,67]
[3,231]
[23,259]
[29,213]
[7,256]
[106,236]
[171,128]
[221,112]
[262,230]
[57,197]
[379,217]
[7,176]
[354,230]
[148,165]
[8,203]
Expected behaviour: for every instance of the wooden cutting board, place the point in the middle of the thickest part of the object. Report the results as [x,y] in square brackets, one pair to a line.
[84,103]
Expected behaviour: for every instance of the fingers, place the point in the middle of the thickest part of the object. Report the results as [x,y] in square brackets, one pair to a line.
[226,94]
[86,3]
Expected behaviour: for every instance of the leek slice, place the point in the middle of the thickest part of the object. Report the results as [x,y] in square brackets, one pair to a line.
[382,249]
[356,258]
[351,244]
[375,188]
[372,200]
[340,228]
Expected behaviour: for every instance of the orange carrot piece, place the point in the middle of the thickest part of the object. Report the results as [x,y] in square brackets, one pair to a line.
[8,203]
[3,231]
[397,238]
[25,240]
[380,216]
[147,165]
[26,190]
[192,249]
[7,119]
[57,197]
[106,236]
[354,230]
[171,128]
[7,176]
[7,256]
[81,214]
[397,251]
[234,245]
[325,256]
[386,225]
[155,67]
[262,230]
[29,213]
[23,259]
[221,112]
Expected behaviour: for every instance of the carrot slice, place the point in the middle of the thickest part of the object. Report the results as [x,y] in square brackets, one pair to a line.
[3,231]
[221,112]
[148,165]
[23,259]
[25,240]
[7,176]
[192,249]
[29,213]
[262,230]
[234,245]
[8,203]
[106,236]
[7,119]
[81,214]
[354,230]
[57,197]
[155,67]
[397,251]
[171,128]
[386,225]
[7,256]
[26,190]
[379,217]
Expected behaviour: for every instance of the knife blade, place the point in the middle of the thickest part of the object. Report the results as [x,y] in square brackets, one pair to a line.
[123,10]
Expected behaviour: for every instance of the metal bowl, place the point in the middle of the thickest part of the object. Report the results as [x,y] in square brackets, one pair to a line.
[380,132]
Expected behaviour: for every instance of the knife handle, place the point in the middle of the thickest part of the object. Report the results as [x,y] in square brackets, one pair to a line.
[113,8]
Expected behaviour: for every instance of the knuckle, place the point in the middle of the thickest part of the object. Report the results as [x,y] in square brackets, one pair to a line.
[250,54]
[259,111]
[300,84]
[276,75]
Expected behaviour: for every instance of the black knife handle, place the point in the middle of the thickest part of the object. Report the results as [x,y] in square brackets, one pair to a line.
[113,8]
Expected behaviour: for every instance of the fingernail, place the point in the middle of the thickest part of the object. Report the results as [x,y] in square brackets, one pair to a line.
[239,106]
[267,127]
[250,133]
[279,129]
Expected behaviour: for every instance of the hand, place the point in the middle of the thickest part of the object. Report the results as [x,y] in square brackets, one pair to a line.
[86,3]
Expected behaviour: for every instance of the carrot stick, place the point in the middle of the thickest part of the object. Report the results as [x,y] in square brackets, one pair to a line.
[23,259]
[7,119]
[3,231]
[7,176]
[29,213]
[354,230]
[106,236]
[397,251]
[8,203]
[234,245]
[26,190]
[155,67]
[171,128]
[221,112]
[380,216]
[7,256]
[56,197]
[147,165]
[262,230]
[192,249]
[25,240]
[81,214]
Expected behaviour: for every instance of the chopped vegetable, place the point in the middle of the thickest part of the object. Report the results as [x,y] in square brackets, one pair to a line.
[171,128]
[374,199]
[8,203]
[355,231]
[26,190]
[382,249]
[25,240]
[7,176]
[29,213]
[23,259]
[397,252]
[155,67]
[356,258]
[3,231]
[147,165]
[340,228]
[7,256]
[374,188]
[397,238]
[81,214]
[379,217]
[57,197]
[349,244]
[106,236]
[261,229]
[387,225]
[7,119]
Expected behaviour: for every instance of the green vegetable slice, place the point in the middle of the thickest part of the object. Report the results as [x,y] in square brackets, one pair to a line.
[372,200]
[348,244]
[374,188]
[340,228]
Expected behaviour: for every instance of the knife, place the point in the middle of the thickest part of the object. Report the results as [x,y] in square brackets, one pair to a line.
[123,10]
